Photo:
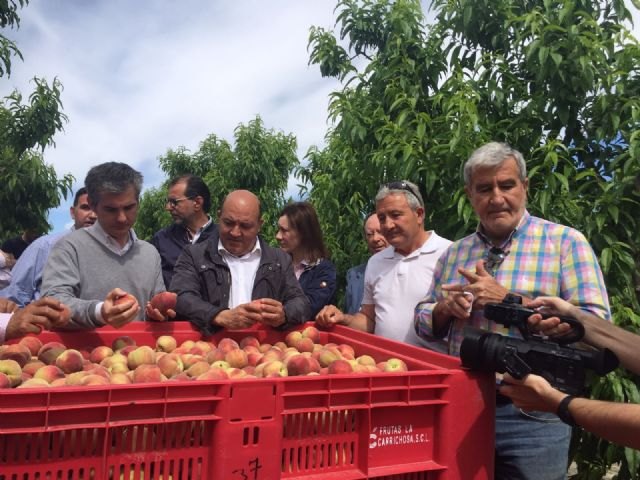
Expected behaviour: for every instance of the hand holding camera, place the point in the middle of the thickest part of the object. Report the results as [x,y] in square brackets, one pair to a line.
[561,365]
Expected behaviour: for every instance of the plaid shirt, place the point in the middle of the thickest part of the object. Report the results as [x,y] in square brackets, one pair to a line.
[544,258]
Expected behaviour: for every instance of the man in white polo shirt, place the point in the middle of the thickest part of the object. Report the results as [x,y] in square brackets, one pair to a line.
[396,278]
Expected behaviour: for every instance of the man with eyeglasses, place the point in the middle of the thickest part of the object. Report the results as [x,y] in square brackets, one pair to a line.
[511,252]
[188,201]
[89,270]
[396,277]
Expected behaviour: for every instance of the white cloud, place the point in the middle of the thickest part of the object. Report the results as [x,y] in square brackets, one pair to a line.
[142,77]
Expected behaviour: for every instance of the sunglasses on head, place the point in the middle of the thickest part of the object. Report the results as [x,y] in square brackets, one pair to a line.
[495,257]
[402,185]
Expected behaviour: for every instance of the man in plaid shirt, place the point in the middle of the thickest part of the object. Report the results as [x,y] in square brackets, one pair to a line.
[511,252]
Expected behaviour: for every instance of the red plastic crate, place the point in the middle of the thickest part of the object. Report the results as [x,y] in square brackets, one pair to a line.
[434,422]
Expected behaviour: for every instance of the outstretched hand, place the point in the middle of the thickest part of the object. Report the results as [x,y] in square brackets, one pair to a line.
[43,314]
[329,315]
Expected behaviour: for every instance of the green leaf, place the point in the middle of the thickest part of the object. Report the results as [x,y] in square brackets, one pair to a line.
[563,180]
[605,259]
[557,58]
[402,117]
[543,53]
[406,152]
[467,15]
[615,121]
[396,103]
[544,201]
[563,114]
[461,204]
[633,459]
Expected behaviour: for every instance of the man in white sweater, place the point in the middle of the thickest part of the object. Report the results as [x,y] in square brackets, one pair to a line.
[93,269]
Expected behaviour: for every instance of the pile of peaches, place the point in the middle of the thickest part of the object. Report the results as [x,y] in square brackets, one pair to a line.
[30,363]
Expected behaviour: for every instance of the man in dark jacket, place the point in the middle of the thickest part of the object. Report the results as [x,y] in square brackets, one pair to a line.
[234,279]
[188,201]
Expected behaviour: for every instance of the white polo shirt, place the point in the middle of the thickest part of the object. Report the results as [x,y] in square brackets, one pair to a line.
[394,284]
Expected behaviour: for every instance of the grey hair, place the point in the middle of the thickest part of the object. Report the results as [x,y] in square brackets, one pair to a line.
[413,196]
[493,154]
[111,177]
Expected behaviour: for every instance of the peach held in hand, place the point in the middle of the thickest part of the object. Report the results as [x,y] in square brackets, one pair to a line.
[126,298]
[164,302]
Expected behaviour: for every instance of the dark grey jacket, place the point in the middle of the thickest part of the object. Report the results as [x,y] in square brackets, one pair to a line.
[202,281]
[170,242]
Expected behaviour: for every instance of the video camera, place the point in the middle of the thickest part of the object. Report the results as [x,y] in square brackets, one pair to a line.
[562,366]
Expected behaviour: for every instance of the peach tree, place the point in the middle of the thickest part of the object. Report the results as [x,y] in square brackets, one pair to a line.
[30,186]
[260,161]
[557,79]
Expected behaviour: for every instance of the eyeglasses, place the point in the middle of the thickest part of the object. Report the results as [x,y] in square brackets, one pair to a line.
[173,202]
[495,257]
[402,185]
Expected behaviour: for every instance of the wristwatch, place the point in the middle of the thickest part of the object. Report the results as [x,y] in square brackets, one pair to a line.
[512,298]
[563,411]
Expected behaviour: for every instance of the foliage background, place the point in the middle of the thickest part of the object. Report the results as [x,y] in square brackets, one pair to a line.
[30,186]
[261,161]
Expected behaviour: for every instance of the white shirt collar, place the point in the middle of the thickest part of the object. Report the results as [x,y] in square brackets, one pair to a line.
[427,247]
[110,242]
[224,252]
[243,273]
[193,238]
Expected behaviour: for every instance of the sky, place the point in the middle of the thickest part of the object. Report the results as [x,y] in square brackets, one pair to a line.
[141,77]
[144,76]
